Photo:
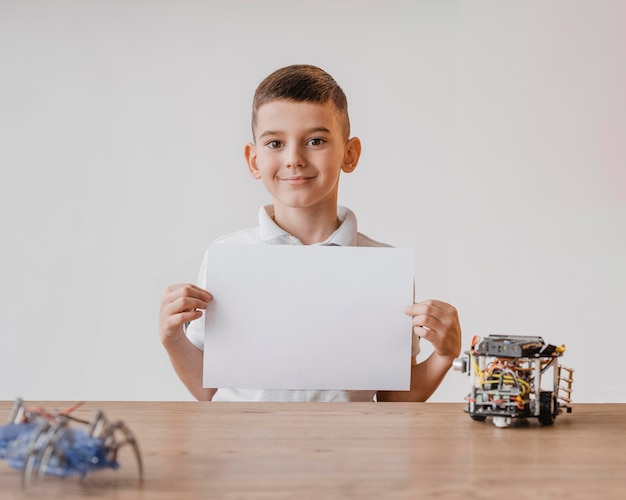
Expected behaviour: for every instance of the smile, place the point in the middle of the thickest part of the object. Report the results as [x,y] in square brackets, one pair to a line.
[296,180]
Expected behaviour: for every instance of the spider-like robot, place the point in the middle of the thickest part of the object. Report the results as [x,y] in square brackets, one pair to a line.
[57,444]
[508,380]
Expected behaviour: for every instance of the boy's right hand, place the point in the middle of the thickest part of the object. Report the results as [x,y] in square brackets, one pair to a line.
[180,304]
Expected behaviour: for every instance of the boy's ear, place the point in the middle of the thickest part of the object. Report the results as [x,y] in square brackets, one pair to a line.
[249,151]
[353,153]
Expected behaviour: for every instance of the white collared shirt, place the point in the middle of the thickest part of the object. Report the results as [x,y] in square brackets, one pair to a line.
[269,233]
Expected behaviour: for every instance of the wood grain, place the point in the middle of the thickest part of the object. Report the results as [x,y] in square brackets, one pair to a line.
[348,450]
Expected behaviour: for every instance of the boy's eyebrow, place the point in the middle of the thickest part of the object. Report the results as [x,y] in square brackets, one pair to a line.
[309,131]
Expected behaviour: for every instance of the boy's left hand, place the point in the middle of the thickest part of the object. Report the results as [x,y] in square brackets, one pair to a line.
[437,322]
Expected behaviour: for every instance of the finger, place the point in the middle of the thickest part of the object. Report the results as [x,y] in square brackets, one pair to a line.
[175,321]
[183,304]
[433,317]
[434,308]
[424,332]
[187,316]
[184,288]
[174,292]
[197,292]
[438,304]
[429,322]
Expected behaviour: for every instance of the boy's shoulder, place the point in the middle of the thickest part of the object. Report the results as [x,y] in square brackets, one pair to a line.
[243,236]
[365,241]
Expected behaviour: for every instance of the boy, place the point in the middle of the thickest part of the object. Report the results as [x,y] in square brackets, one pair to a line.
[302,143]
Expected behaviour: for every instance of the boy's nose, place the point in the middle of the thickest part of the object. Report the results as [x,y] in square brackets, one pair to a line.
[295,158]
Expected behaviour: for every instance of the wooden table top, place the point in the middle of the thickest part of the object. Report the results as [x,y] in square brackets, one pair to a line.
[347,450]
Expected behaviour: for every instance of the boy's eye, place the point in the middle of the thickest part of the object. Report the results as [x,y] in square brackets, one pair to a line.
[274,144]
[316,141]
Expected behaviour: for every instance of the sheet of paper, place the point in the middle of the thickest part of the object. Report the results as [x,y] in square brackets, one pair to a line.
[308,317]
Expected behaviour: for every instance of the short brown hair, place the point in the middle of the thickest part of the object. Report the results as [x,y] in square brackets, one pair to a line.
[301,83]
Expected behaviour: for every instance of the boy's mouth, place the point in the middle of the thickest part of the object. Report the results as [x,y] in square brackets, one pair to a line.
[296,180]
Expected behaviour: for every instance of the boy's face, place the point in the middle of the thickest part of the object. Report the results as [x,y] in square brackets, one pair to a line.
[299,152]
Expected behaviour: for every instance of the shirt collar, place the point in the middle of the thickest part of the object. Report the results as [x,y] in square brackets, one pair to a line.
[272,233]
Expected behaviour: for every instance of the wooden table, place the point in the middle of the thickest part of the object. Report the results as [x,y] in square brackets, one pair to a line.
[348,450]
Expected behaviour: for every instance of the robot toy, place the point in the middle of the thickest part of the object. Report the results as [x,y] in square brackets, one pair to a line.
[57,444]
[508,374]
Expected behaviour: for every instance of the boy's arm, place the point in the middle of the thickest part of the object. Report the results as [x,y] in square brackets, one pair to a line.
[179,305]
[438,323]
[425,378]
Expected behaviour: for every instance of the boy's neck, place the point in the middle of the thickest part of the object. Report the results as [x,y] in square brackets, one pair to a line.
[309,225]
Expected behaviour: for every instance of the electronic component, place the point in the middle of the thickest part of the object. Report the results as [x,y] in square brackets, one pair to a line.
[57,444]
[509,379]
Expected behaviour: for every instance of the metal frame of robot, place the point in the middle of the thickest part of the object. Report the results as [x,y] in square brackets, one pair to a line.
[55,443]
[545,405]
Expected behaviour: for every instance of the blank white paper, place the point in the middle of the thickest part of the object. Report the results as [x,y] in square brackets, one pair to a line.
[308,317]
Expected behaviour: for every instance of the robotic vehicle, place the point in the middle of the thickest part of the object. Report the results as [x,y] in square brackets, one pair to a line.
[511,379]
[58,444]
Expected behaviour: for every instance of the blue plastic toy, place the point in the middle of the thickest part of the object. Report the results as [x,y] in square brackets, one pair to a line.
[57,444]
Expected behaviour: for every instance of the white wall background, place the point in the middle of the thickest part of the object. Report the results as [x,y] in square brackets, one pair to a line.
[494,143]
